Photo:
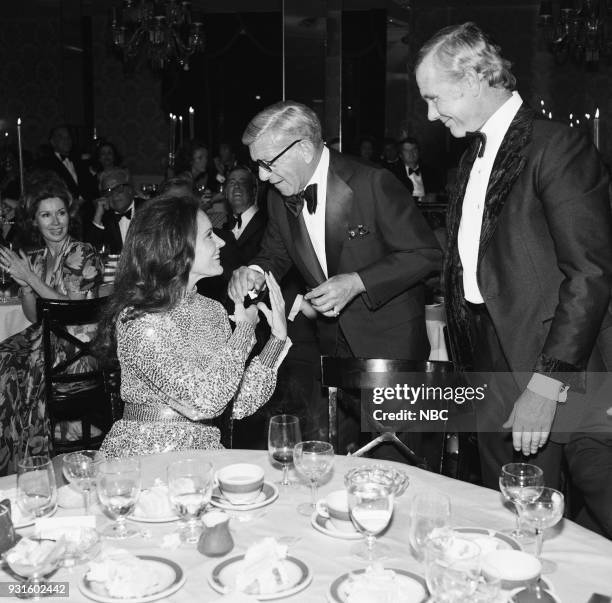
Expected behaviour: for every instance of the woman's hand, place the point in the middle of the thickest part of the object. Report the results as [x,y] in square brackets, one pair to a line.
[242,314]
[17,266]
[276,316]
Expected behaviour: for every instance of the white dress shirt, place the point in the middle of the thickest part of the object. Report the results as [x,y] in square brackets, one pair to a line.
[470,227]
[69,166]
[246,216]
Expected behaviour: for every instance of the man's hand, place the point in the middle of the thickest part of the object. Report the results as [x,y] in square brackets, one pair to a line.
[531,419]
[330,297]
[243,280]
[307,310]
[101,206]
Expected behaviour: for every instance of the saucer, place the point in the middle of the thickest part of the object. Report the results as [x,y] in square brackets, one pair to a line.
[325,526]
[268,494]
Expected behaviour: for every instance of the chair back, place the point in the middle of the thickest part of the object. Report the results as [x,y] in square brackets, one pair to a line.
[75,386]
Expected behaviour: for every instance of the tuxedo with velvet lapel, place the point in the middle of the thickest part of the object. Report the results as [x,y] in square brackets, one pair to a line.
[370,228]
[545,258]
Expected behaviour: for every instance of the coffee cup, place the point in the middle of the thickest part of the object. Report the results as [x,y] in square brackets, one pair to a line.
[240,483]
[335,508]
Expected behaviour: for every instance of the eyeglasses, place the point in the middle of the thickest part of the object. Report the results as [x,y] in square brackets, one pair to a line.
[267,165]
[107,192]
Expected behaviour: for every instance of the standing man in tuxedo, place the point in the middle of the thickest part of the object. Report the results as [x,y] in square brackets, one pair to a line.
[528,268]
[419,179]
[114,210]
[362,250]
[247,222]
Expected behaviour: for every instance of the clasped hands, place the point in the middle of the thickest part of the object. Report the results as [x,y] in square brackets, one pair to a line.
[17,265]
[531,420]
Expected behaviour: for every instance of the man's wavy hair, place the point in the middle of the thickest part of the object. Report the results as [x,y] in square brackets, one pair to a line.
[154,266]
[459,48]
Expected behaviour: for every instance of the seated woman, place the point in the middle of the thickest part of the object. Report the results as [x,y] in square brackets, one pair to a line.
[62,269]
[181,365]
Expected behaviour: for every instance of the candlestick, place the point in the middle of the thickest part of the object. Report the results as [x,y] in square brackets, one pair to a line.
[596,129]
[181,139]
[171,140]
[20,149]
[95,133]
[191,123]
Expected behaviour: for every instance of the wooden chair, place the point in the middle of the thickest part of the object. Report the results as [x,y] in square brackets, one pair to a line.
[368,373]
[90,397]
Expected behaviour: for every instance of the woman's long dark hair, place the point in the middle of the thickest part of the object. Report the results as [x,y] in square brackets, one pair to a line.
[154,266]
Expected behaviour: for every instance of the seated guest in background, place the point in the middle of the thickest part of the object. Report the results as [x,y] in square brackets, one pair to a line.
[11,232]
[192,164]
[114,211]
[9,175]
[390,156]
[181,365]
[224,162]
[62,269]
[366,149]
[105,157]
[419,179]
[247,223]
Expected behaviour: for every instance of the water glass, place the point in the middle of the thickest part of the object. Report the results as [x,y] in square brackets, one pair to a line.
[429,511]
[118,487]
[283,435]
[544,512]
[190,485]
[81,469]
[370,501]
[36,487]
[313,459]
[520,483]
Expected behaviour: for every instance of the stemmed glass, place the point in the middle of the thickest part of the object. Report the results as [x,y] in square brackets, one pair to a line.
[81,468]
[190,484]
[520,483]
[541,513]
[118,489]
[429,511]
[313,459]
[283,435]
[36,487]
[370,502]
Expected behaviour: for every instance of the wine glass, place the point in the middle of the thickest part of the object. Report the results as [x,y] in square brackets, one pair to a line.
[520,483]
[190,484]
[118,487]
[429,511]
[370,501]
[543,512]
[36,487]
[283,435]
[81,468]
[313,459]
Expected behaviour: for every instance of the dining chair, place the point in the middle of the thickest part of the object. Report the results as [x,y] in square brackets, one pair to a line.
[77,387]
[369,373]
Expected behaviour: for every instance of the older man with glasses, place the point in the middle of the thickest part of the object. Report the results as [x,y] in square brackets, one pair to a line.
[362,251]
[114,210]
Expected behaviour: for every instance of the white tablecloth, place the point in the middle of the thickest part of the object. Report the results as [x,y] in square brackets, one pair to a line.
[12,318]
[584,559]
[435,321]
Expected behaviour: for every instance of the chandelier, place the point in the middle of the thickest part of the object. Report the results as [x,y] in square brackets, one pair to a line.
[162,31]
[581,31]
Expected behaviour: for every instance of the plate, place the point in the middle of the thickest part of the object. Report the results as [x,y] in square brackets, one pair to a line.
[413,586]
[504,542]
[268,494]
[170,573]
[223,577]
[325,526]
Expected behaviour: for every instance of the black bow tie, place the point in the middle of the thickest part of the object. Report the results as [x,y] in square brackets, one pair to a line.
[64,157]
[480,138]
[126,214]
[416,172]
[233,221]
[295,203]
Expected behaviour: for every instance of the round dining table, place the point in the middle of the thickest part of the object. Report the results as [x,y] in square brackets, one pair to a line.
[12,318]
[584,558]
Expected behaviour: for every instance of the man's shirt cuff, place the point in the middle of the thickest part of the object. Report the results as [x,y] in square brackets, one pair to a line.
[295,308]
[98,226]
[550,388]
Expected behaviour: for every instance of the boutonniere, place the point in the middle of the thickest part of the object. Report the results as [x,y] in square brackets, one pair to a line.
[358,231]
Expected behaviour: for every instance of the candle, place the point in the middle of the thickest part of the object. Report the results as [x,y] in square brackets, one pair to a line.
[20,149]
[550,115]
[181,139]
[95,133]
[596,129]
[191,123]
[172,133]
